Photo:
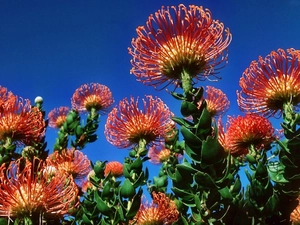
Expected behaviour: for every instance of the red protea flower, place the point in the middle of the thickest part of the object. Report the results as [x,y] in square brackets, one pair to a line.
[250,130]
[92,96]
[4,95]
[58,116]
[157,155]
[268,84]
[162,211]
[177,40]
[20,122]
[295,216]
[113,168]
[71,161]
[127,124]
[27,193]
[216,101]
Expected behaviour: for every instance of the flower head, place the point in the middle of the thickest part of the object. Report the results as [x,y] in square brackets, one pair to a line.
[92,96]
[71,161]
[4,95]
[268,84]
[158,156]
[177,40]
[295,216]
[113,168]
[21,122]
[127,124]
[26,193]
[162,211]
[217,102]
[250,130]
[58,116]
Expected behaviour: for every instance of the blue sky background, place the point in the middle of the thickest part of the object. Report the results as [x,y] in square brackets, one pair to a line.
[50,48]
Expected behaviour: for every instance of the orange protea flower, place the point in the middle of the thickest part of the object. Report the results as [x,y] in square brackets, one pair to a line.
[92,96]
[295,216]
[72,162]
[26,193]
[250,130]
[58,116]
[127,124]
[4,95]
[177,40]
[20,122]
[158,156]
[113,168]
[162,211]
[268,84]
[217,102]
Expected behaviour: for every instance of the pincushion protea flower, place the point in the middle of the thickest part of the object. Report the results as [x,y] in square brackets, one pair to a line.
[244,132]
[162,211]
[295,216]
[127,124]
[177,40]
[4,94]
[268,84]
[92,96]
[58,116]
[20,122]
[113,168]
[158,156]
[71,161]
[27,193]
[217,102]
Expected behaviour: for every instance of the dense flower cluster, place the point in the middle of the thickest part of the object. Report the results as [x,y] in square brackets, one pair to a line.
[177,40]
[268,84]
[20,123]
[127,124]
[25,192]
[93,95]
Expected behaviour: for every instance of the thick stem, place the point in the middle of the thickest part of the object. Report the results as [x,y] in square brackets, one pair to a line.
[186,84]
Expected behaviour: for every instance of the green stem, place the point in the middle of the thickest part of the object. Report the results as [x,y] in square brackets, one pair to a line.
[186,84]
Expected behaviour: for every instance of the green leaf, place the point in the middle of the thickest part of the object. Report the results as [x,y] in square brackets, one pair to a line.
[161,181]
[137,165]
[188,108]
[272,205]
[127,190]
[212,151]
[205,120]
[204,180]
[183,122]
[102,206]
[135,205]
[276,172]
[225,193]
[191,139]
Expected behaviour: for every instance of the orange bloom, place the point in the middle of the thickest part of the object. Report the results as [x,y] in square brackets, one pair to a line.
[93,95]
[113,168]
[26,193]
[162,211]
[177,39]
[21,122]
[270,83]
[295,216]
[4,95]
[250,130]
[216,101]
[127,124]
[58,116]
[72,162]
[158,156]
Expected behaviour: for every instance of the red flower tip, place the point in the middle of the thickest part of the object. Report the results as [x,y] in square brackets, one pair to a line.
[92,96]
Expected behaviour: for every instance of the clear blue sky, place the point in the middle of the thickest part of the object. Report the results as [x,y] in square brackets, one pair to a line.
[49,48]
